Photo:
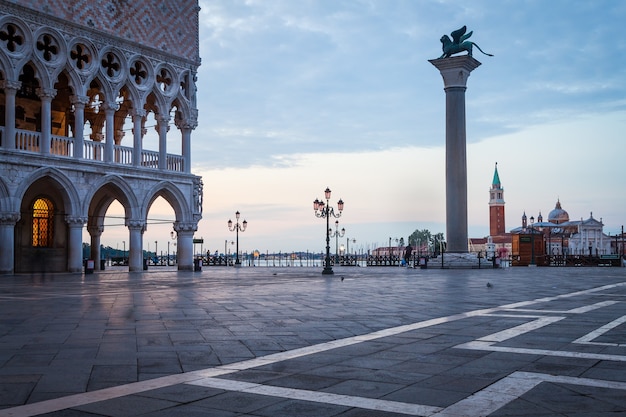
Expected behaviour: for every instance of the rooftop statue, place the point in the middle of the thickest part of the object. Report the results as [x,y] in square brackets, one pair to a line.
[458,43]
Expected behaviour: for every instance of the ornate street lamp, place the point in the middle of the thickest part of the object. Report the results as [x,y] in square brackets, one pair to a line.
[337,234]
[324,210]
[236,228]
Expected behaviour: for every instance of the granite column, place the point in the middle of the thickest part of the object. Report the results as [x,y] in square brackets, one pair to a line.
[455,71]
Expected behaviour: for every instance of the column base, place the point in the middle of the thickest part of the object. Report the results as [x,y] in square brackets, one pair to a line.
[456,260]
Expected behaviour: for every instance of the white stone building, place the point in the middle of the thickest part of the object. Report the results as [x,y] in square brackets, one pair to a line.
[72,74]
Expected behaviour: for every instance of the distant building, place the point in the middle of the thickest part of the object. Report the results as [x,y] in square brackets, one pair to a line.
[72,77]
[498,242]
[557,236]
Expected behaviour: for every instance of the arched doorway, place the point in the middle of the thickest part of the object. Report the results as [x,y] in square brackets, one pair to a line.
[41,235]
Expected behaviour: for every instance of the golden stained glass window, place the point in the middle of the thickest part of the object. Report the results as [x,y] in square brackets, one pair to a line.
[43,211]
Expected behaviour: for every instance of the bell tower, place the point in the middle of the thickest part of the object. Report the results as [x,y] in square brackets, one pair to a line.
[496,206]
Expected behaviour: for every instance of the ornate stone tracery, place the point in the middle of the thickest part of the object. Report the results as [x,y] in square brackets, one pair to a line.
[61,77]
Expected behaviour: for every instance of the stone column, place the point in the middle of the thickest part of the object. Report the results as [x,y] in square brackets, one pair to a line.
[185,233]
[10,90]
[79,103]
[138,115]
[455,71]
[186,126]
[75,243]
[46,95]
[95,232]
[109,111]
[135,255]
[162,128]
[7,241]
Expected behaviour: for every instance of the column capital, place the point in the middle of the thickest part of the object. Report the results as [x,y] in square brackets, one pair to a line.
[187,124]
[185,227]
[95,230]
[79,101]
[46,93]
[11,85]
[75,221]
[162,118]
[138,112]
[110,106]
[9,218]
[135,224]
[455,70]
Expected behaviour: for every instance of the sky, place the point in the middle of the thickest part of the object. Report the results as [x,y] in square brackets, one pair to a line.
[297,96]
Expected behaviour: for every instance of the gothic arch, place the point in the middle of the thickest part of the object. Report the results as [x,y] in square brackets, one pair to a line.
[78,86]
[104,192]
[161,106]
[107,93]
[66,189]
[172,195]
[41,74]
[45,246]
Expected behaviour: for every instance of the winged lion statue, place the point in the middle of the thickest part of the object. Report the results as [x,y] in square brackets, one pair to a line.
[459,43]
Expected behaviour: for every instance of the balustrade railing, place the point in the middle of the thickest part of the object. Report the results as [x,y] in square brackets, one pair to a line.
[30,141]
[62,146]
[150,159]
[26,140]
[94,150]
[123,155]
[175,163]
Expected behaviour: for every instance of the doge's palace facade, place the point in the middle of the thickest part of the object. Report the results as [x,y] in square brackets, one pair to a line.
[73,74]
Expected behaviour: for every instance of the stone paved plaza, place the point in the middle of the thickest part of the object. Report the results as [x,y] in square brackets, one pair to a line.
[273,342]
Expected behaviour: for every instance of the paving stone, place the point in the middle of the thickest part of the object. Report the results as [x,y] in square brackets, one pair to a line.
[113,328]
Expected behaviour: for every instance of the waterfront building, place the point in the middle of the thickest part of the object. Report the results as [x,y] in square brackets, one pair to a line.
[81,82]
[557,236]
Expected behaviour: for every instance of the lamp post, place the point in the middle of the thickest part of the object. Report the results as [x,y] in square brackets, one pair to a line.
[236,228]
[337,234]
[391,251]
[532,241]
[348,249]
[324,210]
[124,244]
[156,253]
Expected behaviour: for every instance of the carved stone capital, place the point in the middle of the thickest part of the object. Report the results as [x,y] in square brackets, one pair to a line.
[75,221]
[110,106]
[187,124]
[95,230]
[79,101]
[138,113]
[46,93]
[9,218]
[11,85]
[188,227]
[135,224]
[162,118]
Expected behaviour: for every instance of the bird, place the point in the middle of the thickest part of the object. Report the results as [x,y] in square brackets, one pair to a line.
[342,278]
[489,285]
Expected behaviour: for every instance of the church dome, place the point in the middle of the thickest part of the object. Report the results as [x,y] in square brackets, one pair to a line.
[558,215]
